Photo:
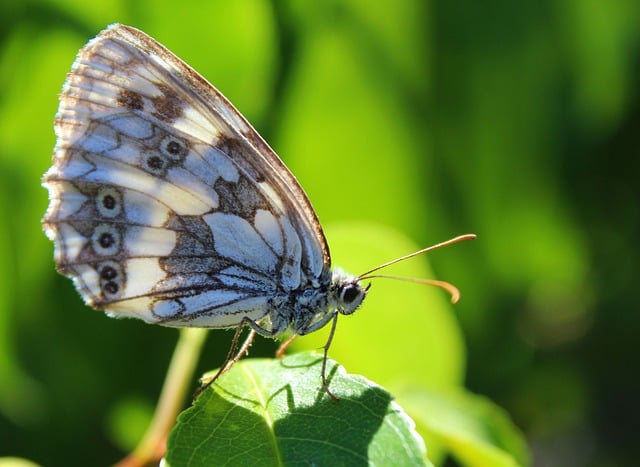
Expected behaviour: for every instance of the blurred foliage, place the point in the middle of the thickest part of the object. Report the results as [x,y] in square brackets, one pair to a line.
[517,121]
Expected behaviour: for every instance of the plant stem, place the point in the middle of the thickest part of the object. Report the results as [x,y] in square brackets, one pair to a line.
[179,377]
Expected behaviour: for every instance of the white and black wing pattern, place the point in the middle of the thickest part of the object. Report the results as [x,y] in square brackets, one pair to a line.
[166,204]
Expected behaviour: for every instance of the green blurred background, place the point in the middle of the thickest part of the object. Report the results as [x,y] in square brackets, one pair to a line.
[516,120]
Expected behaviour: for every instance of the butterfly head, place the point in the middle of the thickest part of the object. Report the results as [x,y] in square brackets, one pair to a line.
[348,292]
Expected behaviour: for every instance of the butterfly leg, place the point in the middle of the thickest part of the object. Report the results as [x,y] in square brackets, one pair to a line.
[244,349]
[333,316]
[232,357]
[325,384]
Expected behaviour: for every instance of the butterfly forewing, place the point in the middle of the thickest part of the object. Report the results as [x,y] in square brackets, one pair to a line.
[165,203]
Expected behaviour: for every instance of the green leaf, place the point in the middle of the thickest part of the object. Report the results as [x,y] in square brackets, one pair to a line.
[474,430]
[275,412]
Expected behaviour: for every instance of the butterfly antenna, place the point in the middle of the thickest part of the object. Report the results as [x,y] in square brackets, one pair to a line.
[419,252]
[450,288]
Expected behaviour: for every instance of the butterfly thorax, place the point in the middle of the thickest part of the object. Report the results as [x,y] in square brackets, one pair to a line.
[308,309]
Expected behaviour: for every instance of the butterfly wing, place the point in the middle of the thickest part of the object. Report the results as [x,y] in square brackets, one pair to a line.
[166,204]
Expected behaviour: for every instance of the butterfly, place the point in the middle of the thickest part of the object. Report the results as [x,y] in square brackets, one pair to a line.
[167,206]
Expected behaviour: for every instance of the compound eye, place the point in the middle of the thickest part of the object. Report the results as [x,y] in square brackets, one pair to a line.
[350,293]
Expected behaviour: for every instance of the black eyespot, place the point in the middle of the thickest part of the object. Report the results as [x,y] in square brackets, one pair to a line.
[174,148]
[112,278]
[109,202]
[108,273]
[106,240]
[350,293]
[155,162]
[111,288]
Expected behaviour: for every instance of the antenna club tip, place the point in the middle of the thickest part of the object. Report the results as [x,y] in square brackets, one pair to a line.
[453,291]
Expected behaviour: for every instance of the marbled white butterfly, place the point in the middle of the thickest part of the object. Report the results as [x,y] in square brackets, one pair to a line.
[166,205]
